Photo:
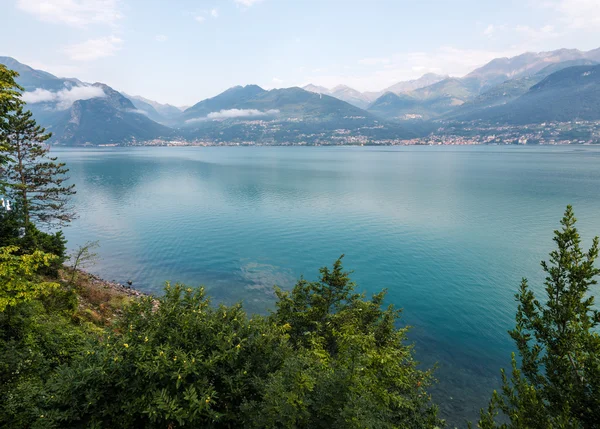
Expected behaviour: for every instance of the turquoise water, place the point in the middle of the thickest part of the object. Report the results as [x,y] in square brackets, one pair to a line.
[449,231]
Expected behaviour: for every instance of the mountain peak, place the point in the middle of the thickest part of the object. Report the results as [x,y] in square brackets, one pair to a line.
[412,85]
[527,64]
[249,87]
[316,88]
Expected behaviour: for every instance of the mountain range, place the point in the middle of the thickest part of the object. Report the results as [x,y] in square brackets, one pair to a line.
[364,99]
[561,85]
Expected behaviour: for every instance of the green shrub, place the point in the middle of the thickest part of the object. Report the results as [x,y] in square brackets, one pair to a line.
[326,358]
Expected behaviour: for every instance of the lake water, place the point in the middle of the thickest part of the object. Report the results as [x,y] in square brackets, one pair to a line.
[450,231]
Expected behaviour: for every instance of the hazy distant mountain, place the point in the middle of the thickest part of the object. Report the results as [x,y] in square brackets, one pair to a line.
[510,90]
[411,85]
[529,88]
[162,113]
[553,68]
[363,99]
[398,106]
[316,88]
[78,113]
[350,95]
[569,94]
[233,98]
[251,101]
[427,102]
[251,113]
[527,64]
[30,78]
[342,92]
[106,120]
[497,82]
[145,108]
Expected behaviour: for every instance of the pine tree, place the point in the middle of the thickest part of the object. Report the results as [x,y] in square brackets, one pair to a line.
[9,101]
[33,177]
[558,383]
[9,92]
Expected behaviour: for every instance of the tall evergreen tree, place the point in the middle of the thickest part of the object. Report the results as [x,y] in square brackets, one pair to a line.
[9,101]
[9,91]
[33,177]
[558,382]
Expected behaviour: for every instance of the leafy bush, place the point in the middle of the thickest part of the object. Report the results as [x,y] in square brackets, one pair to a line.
[326,358]
[30,239]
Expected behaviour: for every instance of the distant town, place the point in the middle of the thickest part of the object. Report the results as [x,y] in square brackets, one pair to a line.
[468,133]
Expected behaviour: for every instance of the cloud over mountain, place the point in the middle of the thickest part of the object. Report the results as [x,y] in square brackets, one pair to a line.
[241,113]
[63,98]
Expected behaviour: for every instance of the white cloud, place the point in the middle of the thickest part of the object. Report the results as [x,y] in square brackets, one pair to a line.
[200,18]
[94,48]
[241,113]
[578,14]
[247,3]
[161,38]
[214,13]
[63,98]
[235,113]
[277,81]
[38,96]
[77,13]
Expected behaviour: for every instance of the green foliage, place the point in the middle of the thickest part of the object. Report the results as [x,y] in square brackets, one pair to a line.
[9,101]
[32,177]
[10,92]
[326,358]
[53,243]
[178,361]
[19,281]
[32,180]
[35,338]
[83,257]
[30,239]
[351,368]
[558,383]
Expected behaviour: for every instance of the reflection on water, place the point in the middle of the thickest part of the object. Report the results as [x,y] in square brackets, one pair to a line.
[449,231]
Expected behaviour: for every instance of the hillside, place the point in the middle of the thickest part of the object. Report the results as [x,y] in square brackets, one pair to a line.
[426,103]
[344,93]
[364,99]
[236,97]
[286,115]
[509,90]
[165,114]
[569,94]
[99,121]
[412,85]
[252,101]
[81,113]
[527,64]
[31,79]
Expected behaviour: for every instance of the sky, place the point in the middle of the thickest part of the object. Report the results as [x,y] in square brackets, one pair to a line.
[182,51]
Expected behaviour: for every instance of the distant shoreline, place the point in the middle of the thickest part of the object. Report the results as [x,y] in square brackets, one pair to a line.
[111,146]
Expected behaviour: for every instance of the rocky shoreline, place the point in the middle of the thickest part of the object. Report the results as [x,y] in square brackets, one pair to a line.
[96,281]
